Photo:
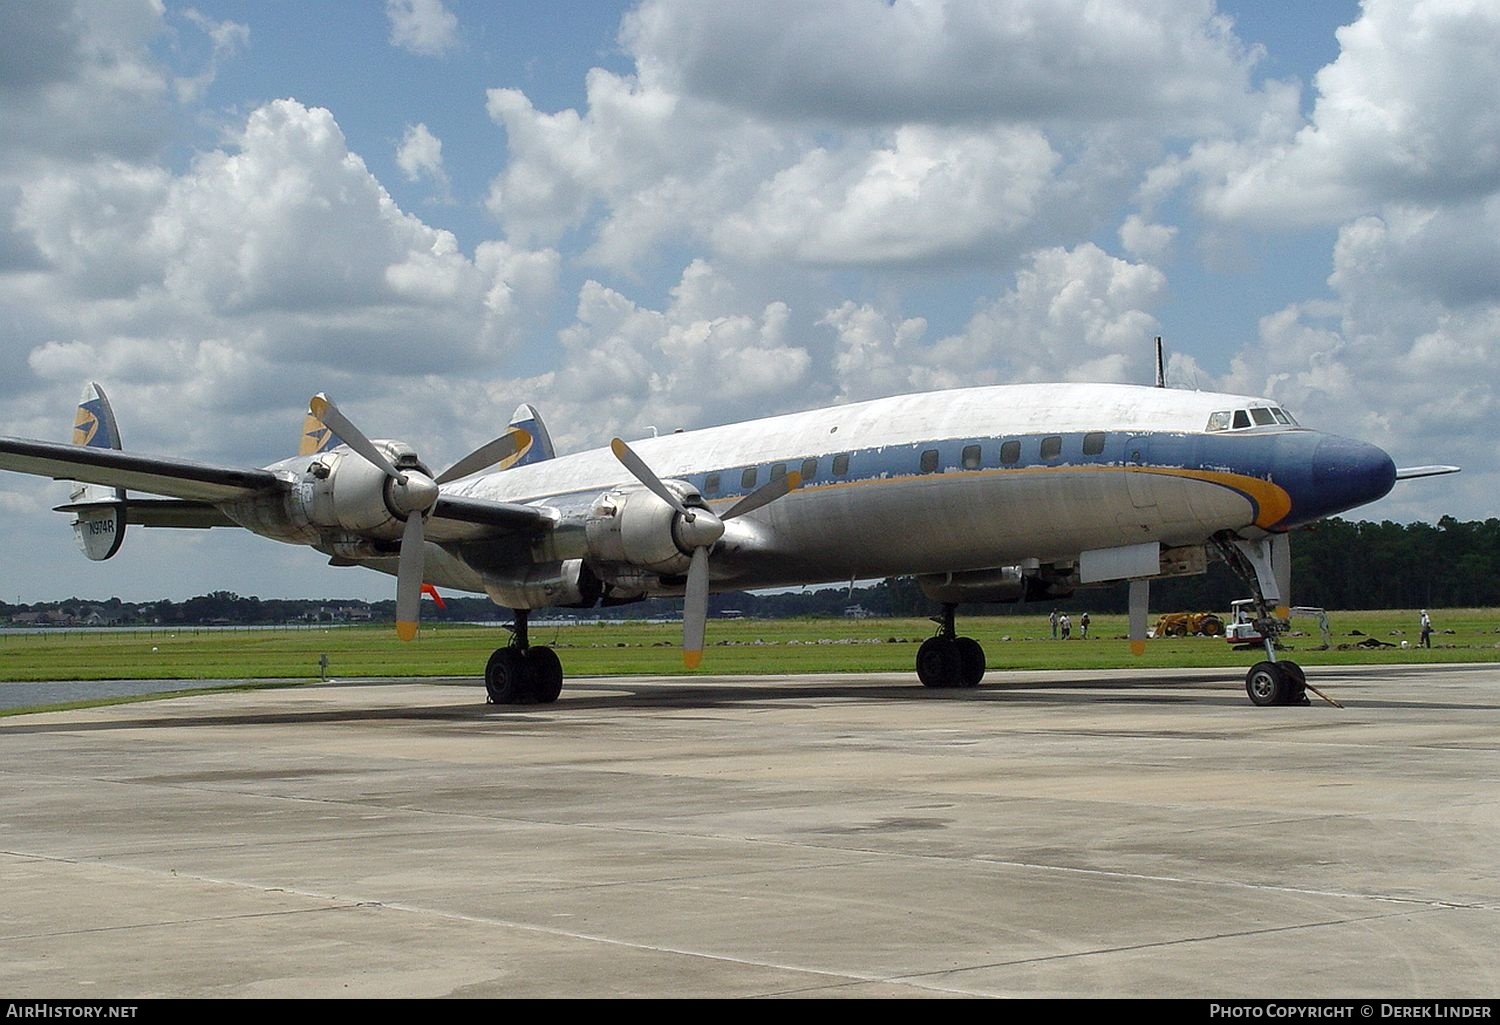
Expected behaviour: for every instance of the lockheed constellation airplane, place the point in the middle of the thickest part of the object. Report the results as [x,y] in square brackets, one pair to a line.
[990,494]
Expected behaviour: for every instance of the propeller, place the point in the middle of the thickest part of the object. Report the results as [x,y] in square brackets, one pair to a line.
[412,494]
[698,530]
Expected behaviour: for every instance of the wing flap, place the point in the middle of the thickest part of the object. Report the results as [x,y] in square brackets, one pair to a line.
[177,478]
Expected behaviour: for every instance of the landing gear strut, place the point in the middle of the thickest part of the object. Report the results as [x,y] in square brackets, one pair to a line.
[1270,682]
[519,674]
[947,660]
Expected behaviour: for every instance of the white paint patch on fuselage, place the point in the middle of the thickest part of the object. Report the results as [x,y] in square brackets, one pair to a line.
[900,522]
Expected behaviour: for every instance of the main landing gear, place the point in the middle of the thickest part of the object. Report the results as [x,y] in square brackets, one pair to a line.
[519,674]
[947,660]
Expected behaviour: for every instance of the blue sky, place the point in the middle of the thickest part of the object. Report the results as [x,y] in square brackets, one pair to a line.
[686,212]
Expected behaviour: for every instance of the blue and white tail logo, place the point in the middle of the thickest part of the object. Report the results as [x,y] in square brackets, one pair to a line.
[316,437]
[539,448]
[94,425]
[99,527]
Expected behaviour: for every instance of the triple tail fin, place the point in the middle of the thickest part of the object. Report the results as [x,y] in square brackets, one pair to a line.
[539,448]
[99,528]
[316,437]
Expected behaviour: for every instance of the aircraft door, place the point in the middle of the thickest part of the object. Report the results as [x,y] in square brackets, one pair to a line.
[1137,454]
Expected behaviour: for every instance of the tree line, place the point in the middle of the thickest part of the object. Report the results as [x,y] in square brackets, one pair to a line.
[1336,564]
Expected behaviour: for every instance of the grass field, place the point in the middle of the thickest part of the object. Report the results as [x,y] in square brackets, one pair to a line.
[736,647]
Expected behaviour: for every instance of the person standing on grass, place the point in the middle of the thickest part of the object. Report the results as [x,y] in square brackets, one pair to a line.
[1066,624]
[1053,619]
[1426,630]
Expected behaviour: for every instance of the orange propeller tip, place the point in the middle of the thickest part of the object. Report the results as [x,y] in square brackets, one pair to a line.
[405,630]
[692,659]
[1137,647]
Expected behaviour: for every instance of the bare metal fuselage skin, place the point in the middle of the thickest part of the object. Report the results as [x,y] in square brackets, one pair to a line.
[933,483]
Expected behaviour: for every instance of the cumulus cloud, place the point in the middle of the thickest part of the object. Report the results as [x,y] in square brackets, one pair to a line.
[424,27]
[420,157]
[1408,113]
[273,264]
[77,81]
[864,134]
[946,62]
[1073,315]
[703,359]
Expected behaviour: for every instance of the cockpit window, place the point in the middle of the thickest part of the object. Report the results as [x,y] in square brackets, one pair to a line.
[1244,419]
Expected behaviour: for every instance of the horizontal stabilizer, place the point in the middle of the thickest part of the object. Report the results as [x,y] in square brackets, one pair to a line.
[162,512]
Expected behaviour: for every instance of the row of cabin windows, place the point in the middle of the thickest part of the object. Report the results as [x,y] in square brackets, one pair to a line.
[929,462]
[748,479]
[1010,452]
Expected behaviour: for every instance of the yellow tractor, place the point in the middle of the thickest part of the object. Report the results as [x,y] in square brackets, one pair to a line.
[1194,624]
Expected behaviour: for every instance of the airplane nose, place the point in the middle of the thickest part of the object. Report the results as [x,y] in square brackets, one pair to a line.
[1342,474]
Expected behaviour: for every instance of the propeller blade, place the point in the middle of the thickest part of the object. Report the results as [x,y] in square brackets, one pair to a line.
[322,407]
[485,456]
[767,493]
[695,609]
[409,578]
[1140,595]
[643,473]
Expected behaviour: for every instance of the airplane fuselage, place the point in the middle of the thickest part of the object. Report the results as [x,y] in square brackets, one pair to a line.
[963,480]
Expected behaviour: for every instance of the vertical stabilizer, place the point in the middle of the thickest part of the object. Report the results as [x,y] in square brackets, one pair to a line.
[316,437]
[99,528]
[529,420]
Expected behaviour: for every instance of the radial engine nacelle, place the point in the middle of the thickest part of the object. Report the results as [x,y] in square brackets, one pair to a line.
[630,525]
[341,490]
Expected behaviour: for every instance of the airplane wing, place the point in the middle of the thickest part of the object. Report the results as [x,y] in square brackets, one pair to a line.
[194,488]
[488,517]
[176,478]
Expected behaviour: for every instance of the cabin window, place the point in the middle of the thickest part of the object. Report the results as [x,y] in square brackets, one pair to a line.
[1219,421]
[711,484]
[930,461]
[778,470]
[1262,416]
[1241,419]
[841,465]
[809,469]
[1052,446]
[1093,443]
[747,479]
[971,457]
[1010,453]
